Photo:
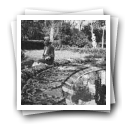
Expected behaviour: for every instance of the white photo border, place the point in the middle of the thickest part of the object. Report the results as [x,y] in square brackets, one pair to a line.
[63,107]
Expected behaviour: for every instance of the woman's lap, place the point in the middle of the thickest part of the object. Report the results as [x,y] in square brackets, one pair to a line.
[49,61]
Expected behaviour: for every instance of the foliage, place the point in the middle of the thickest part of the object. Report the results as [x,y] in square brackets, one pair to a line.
[80,40]
[35,29]
[87,31]
[32,44]
[32,29]
[98,34]
[63,32]
[66,33]
[22,55]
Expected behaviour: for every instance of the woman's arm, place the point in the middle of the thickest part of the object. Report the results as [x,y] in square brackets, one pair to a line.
[45,51]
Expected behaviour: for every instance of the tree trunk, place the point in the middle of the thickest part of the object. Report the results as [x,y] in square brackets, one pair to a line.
[92,29]
[92,34]
[103,38]
[80,25]
[60,34]
[52,32]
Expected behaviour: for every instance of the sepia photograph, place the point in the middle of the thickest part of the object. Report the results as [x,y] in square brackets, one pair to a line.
[63,60]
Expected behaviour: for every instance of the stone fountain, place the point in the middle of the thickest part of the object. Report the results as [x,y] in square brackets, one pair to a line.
[94,40]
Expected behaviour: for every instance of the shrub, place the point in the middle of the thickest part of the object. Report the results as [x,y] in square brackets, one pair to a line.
[32,44]
[80,40]
[22,55]
[66,40]
[65,47]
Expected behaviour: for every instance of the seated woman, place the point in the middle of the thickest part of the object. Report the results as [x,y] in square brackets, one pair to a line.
[48,54]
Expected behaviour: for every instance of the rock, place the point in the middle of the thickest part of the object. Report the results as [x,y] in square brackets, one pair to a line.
[57,93]
[67,90]
[92,102]
[69,102]
[35,64]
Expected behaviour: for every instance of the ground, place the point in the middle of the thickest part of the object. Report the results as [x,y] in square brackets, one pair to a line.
[47,85]
[37,54]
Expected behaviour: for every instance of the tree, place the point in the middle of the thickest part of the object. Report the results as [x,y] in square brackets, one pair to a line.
[52,31]
[87,30]
[93,36]
[24,28]
[66,32]
[81,24]
[54,26]
[101,26]
[32,29]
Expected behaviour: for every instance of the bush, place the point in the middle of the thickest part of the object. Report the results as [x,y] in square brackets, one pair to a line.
[80,40]
[66,39]
[22,55]
[89,45]
[32,44]
[58,46]
[65,47]
[92,53]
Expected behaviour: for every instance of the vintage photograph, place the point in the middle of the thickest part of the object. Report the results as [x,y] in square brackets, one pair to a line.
[64,61]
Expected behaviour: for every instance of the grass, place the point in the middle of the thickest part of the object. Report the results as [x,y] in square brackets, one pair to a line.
[72,53]
[59,55]
[94,57]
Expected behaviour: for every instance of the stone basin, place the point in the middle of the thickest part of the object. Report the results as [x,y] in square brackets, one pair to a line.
[67,68]
[85,88]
